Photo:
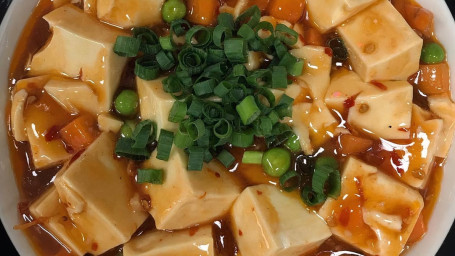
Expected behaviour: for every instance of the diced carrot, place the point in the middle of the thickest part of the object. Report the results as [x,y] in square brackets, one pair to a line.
[417,17]
[80,132]
[203,12]
[313,37]
[290,10]
[350,144]
[419,230]
[433,79]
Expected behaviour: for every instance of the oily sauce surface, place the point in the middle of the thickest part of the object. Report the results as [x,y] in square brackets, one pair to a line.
[32,183]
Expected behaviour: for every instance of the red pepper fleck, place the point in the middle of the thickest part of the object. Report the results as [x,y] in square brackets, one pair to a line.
[379,85]
[94,246]
[259,192]
[349,103]
[402,129]
[240,232]
[52,133]
[193,230]
[345,215]
[217,175]
[329,51]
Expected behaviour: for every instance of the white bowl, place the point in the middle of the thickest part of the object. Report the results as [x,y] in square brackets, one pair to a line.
[10,30]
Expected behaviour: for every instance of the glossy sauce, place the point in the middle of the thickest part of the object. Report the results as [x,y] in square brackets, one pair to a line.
[33,183]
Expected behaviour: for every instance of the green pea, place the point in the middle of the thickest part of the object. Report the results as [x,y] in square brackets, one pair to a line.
[127,103]
[276,162]
[433,53]
[173,10]
[126,131]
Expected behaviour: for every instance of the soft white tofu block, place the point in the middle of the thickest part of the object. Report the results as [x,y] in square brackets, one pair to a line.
[267,221]
[426,134]
[187,198]
[81,47]
[442,106]
[316,72]
[57,222]
[17,115]
[75,96]
[97,193]
[314,124]
[381,44]
[381,109]
[155,103]
[130,13]
[193,242]
[327,14]
[374,212]
[108,123]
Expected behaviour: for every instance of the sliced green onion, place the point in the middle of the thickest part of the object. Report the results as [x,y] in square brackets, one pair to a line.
[293,143]
[286,35]
[252,157]
[274,117]
[146,69]
[248,110]
[212,112]
[165,142]
[239,70]
[236,50]
[142,134]
[324,167]
[247,33]
[166,43]
[290,181]
[216,56]
[195,108]
[288,61]
[220,34]
[196,158]
[222,129]
[204,88]
[242,139]
[124,148]
[334,184]
[126,46]
[151,176]
[312,198]
[196,129]
[226,20]
[268,27]
[178,112]
[182,138]
[193,60]
[179,27]
[280,48]
[297,68]
[199,36]
[165,60]
[250,17]
[222,89]
[263,126]
[226,158]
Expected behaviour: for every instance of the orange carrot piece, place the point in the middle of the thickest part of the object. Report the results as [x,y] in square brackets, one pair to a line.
[419,230]
[80,132]
[313,37]
[433,79]
[417,17]
[290,10]
[202,12]
[350,144]
[262,4]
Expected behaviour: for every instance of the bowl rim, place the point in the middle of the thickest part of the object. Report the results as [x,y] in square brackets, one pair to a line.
[444,22]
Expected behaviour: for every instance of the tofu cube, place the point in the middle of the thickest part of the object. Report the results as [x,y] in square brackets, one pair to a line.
[155,103]
[374,212]
[17,115]
[75,96]
[443,106]
[81,47]
[98,193]
[193,242]
[339,11]
[380,109]
[316,73]
[426,134]
[108,123]
[130,13]
[268,222]
[57,222]
[314,124]
[187,198]
[381,44]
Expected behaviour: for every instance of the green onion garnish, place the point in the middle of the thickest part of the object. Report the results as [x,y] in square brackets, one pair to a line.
[242,139]
[312,198]
[196,158]
[252,157]
[146,69]
[248,110]
[124,148]
[293,143]
[290,181]
[151,176]
[178,112]
[226,20]
[166,43]
[198,36]
[226,158]
[127,46]
[164,145]
[236,50]
[286,35]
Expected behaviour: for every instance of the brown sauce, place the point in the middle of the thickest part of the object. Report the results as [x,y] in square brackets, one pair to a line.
[32,183]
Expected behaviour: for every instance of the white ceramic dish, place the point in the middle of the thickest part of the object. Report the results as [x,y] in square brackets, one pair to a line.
[10,30]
